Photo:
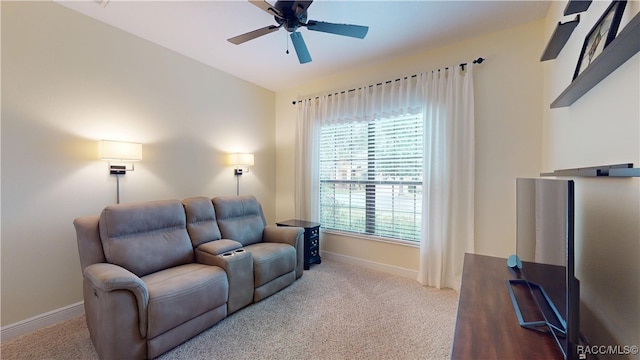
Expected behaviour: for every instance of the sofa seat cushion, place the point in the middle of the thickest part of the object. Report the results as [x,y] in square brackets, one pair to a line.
[179,294]
[271,260]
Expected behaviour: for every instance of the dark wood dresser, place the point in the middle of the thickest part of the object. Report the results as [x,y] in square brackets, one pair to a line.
[486,324]
[311,240]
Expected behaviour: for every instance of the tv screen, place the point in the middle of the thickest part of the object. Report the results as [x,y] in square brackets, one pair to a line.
[547,296]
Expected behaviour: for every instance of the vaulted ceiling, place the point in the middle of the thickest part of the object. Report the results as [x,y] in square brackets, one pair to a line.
[200,29]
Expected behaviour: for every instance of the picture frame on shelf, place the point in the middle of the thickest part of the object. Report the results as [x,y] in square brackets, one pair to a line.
[602,33]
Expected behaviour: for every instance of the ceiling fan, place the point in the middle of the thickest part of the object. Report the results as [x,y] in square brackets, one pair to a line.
[292,15]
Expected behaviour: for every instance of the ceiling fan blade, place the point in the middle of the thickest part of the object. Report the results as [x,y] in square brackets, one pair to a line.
[301,47]
[266,7]
[253,34]
[356,31]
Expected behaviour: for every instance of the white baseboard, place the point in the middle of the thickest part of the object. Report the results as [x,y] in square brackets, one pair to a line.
[41,321]
[389,269]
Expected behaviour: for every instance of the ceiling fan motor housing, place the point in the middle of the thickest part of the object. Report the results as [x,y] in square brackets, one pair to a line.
[294,14]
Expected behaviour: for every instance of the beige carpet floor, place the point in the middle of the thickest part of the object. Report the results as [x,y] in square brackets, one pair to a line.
[335,311]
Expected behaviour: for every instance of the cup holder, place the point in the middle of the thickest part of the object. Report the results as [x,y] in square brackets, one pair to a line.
[233,252]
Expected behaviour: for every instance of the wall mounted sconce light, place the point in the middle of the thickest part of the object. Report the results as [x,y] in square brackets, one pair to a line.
[242,162]
[121,156]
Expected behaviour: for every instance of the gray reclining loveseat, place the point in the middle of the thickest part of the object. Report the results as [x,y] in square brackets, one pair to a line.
[158,273]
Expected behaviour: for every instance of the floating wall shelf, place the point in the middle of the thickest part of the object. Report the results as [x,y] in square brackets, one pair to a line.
[621,49]
[576,6]
[617,170]
[560,36]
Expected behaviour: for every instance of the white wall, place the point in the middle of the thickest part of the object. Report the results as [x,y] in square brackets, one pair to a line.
[508,90]
[69,81]
[602,127]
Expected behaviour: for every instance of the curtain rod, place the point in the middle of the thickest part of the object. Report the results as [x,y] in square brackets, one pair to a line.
[476,61]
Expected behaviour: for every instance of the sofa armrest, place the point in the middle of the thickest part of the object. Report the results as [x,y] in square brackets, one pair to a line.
[107,277]
[284,234]
[293,236]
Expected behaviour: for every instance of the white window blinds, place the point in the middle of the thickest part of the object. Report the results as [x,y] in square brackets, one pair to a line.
[371,177]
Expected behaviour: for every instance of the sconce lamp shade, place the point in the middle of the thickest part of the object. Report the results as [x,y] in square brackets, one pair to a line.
[120,151]
[241,160]
[123,153]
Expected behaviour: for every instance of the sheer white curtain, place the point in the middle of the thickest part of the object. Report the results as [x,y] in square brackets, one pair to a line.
[393,98]
[448,182]
[307,186]
[445,98]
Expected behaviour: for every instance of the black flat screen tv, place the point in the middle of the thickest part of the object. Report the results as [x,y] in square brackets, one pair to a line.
[546,296]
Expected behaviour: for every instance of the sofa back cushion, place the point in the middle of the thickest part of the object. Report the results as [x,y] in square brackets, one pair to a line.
[201,220]
[240,218]
[146,237]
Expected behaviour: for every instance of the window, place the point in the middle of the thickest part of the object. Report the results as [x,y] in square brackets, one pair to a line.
[371,177]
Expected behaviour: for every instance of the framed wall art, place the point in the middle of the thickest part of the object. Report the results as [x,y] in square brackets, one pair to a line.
[600,35]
